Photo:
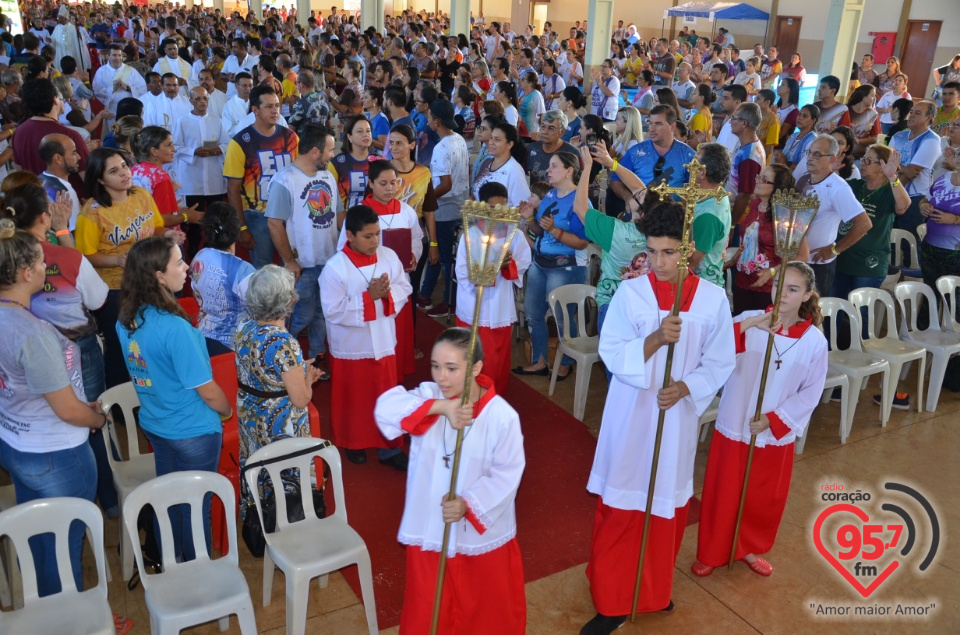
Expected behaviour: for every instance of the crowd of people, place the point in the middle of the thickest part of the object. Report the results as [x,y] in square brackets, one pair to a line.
[306,179]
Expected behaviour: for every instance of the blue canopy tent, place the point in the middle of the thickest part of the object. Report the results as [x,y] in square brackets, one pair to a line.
[714,11]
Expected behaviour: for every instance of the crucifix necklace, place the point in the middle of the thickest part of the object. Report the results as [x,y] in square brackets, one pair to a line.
[780,355]
[448,455]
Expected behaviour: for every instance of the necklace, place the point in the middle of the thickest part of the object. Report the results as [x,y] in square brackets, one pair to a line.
[372,273]
[683,302]
[873,193]
[780,355]
[14,302]
[446,455]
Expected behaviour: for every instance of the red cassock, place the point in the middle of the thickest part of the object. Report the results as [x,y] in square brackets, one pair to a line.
[763,509]
[406,364]
[359,381]
[616,543]
[497,352]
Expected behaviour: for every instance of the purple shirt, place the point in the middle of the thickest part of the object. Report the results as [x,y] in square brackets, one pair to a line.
[945,196]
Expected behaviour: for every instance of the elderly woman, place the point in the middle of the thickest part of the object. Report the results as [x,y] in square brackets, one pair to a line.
[275,383]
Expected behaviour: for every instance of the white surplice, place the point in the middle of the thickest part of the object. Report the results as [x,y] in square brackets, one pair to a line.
[703,359]
[491,466]
[792,392]
[234,110]
[105,91]
[344,298]
[218,99]
[178,67]
[200,176]
[165,112]
[405,219]
[498,308]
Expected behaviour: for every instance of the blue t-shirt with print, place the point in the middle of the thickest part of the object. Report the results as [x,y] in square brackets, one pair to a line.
[573,130]
[380,127]
[561,208]
[642,160]
[167,360]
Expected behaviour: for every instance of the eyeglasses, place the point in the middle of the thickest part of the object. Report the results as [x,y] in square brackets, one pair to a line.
[869,161]
[762,180]
[816,156]
[658,168]
[551,128]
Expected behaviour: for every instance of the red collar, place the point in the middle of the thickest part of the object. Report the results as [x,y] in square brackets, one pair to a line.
[358,259]
[484,382]
[382,209]
[666,291]
[797,330]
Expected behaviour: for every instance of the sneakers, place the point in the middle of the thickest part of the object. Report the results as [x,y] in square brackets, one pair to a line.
[603,624]
[359,457]
[439,311]
[424,304]
[901,400]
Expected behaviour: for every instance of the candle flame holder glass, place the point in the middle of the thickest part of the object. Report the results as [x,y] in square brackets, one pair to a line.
[488,232]
[793,213]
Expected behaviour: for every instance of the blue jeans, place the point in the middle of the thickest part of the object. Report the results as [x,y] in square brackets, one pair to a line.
[540,282]
[446,232]
[181,455]
[91,365]
[38,475]
[262,254]
[308,313]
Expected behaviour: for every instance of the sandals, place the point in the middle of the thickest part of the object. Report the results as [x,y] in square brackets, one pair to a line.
[701,570]
[760,566]
[123,624]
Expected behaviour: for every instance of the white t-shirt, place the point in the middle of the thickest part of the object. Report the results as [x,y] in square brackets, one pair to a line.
[886,101]
[510,175]
[838,204]
[727,139]
[745,79]
[451,158]
[512,115]
[309,206]
[923,151]
[602,105]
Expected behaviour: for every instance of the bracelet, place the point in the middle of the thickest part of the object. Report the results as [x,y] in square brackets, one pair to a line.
[62,232]
[243,228]
[226,418]
[833,248]
[185,217]
[560,237]
[102,425]
[616,164]
[896,183]
[434,244]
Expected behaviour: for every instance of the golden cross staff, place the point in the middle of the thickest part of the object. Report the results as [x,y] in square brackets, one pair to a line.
[792,215]
[488,232]
[690,194]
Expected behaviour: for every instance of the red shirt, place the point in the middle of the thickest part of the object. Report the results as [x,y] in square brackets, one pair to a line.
[26,144]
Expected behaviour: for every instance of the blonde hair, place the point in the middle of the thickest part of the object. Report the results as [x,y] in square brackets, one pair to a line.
[633,131]
[63,86]
[809,310]
[125,128]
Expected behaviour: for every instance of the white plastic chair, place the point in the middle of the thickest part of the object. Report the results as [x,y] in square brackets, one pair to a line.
[69,611]
[584,349]
[891,348]
[897,238]
[199,590]
[594,255]
[709,416]
[10,584]
[922,231]
[947,286]
[835,379]
[136,470]
[854,362]
[313,546]
[939,344]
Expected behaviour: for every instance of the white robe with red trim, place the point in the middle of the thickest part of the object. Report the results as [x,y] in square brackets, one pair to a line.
[357,326]
[401,216]
[703,359]
[792,392]
[498,308]
[491,465]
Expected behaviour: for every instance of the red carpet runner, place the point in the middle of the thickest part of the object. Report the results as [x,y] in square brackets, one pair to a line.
[554,510]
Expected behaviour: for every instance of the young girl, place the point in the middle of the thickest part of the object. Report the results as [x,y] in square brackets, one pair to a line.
[483,587]
[794,385]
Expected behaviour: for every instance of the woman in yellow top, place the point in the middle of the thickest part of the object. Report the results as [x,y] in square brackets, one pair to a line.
[116,216]
[700,126]
[632,66]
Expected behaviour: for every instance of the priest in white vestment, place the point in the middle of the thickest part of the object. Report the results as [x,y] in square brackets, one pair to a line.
[171,106]
[69,41]
[172,63]
[116,80]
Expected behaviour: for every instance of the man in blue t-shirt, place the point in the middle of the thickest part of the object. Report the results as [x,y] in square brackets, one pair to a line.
[659,158]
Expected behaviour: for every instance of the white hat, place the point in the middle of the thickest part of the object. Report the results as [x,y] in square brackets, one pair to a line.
[64,12]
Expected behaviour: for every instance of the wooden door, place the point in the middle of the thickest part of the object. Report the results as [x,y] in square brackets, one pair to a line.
[786,37]
[917,54]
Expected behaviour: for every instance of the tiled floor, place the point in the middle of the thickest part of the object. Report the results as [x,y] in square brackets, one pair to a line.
[921,449]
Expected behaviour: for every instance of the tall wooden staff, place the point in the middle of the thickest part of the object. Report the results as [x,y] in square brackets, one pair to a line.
[488,232]
[792,215]
[690,194]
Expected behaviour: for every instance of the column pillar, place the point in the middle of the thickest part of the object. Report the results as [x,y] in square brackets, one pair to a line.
[256,6]
[218,4]
[600,16]
[371,14]
[303,12]
[843,27]
[189,4]
[519,15]
[460,17]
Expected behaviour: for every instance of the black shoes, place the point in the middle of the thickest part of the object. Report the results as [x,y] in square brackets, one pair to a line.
[357,456]
[542,372]
[398,462]
[603,624]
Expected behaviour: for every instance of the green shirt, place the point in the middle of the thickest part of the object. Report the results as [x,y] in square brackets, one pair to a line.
[711,228]
[624,252]
[870,256]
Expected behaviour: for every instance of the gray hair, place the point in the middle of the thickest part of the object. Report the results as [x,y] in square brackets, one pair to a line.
[10,76]
[716,162]
[833,145]
[749,113]
[552,116]
[271,294]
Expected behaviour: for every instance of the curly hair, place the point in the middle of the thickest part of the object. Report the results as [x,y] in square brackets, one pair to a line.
[663,221]
[140,288]
[809,310]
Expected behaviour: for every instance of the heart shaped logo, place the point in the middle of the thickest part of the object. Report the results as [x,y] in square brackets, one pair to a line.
[829,557]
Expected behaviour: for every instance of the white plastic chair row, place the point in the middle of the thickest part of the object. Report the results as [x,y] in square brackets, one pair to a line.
[897,238]
[69,611]
[10,594]
[584,349]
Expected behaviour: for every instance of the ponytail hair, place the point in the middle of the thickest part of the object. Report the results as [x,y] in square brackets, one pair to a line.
[459,337]
[221,226]
[25,204]
[809,310]
[18,251]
